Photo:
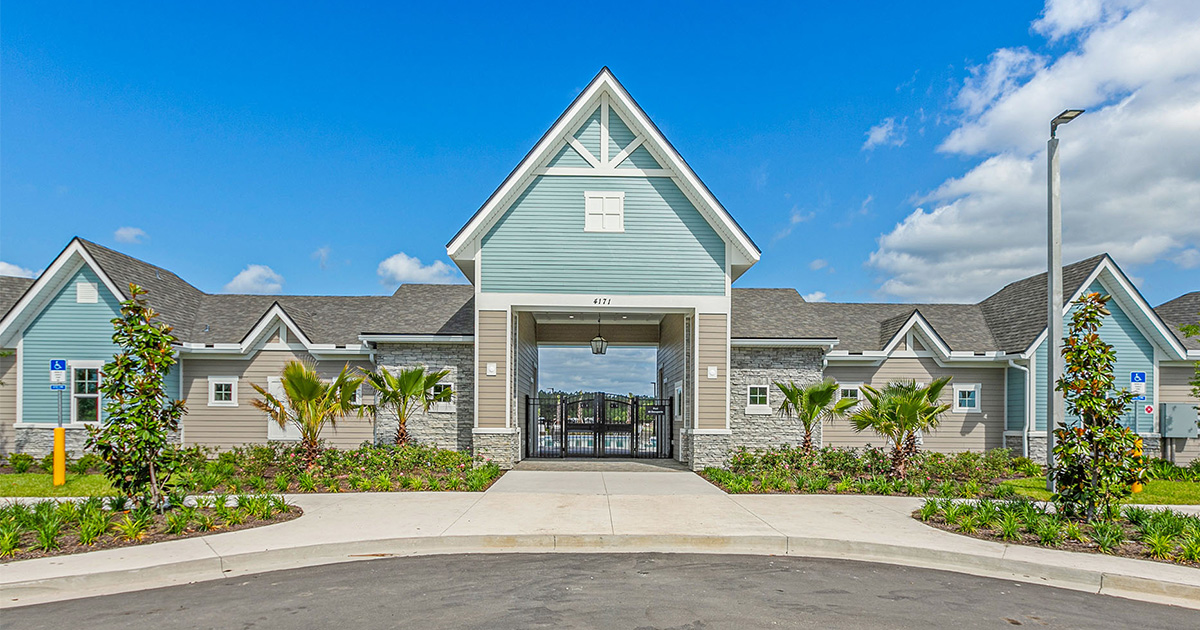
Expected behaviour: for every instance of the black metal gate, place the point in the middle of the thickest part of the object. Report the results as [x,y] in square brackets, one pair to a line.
[598,425]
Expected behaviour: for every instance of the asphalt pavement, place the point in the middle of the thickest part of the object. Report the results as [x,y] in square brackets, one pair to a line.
[636,590]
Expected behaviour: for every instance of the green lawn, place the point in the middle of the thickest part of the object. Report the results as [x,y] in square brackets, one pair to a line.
[1156,492]
[42,485]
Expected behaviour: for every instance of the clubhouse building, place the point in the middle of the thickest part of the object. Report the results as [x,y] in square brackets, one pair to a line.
[601,235]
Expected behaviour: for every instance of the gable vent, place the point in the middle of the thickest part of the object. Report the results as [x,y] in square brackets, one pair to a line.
[86,293]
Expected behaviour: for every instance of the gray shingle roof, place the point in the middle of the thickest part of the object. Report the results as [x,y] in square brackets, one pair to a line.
[1016,314]
[200,317]
[769,314]
[1184,309]
[175,299]
[11,290]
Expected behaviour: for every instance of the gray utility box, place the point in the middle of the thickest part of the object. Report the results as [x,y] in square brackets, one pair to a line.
[1178,420]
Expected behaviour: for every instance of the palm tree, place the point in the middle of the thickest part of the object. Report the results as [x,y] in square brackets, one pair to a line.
[410,389]
[898,412]
[308,402]
[811,405]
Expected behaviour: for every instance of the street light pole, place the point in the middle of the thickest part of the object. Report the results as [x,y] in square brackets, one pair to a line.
[1055,414]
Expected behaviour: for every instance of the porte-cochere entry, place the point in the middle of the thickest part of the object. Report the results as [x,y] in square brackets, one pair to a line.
[597,424]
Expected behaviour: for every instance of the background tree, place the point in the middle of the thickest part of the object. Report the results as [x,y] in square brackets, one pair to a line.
[898,413]
[1094,462]
[134,439]
[812,405]
[309,403]
[405,392]
[1193,330]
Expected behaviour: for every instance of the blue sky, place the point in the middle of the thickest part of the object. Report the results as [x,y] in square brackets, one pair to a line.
[874,152]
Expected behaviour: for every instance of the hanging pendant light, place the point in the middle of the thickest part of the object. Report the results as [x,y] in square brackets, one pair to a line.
[599,343]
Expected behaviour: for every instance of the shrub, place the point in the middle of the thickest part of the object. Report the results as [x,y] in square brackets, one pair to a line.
[20,462]
[1074,532]
[1048,531]
[1010,526]
[47,463]
[132,527]
[92,527]
[307,482]
[47,531]
[281,482]
[1160,544]
[10,538]
[929,509]
[1108,536]
[204,522]
[177,522]
[1191,548]
[968,524]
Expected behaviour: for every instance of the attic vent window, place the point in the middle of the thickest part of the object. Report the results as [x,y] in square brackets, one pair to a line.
[604,211]
[86,293]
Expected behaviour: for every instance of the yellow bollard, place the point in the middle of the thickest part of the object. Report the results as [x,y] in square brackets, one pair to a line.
[1137,452]
[60,456]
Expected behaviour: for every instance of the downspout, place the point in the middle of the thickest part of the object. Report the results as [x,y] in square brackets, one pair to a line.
[1025,429]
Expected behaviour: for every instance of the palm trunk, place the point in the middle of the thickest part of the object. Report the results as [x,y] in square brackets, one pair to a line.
[402,433]
[807,445]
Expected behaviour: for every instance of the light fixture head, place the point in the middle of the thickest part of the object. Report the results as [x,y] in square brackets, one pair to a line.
[1065,117]
[599,343]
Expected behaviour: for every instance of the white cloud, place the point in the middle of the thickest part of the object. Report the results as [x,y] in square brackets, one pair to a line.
[815,296]
[258,279]
[321,255]
[796,217]
[819,263]
[401,268]
[129,235]
[1130,168]
[9,269]
[888,132]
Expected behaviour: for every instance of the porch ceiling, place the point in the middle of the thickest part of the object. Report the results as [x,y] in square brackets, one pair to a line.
[607,319]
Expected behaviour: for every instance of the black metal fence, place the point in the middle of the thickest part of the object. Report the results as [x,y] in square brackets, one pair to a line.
[598,425]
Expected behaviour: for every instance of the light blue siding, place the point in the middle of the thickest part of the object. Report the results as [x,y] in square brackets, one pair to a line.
[539,245]
[1014,412]
[619,135]
[640,158]
[1134,353]
[65,329]
[589,133]
[568,156]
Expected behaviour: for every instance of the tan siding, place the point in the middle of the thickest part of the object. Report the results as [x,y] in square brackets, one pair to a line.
[671,364]
[8,401]
[492,346]
[583,333]
[1173,387]
[713,337]
[527,363]
[225,427]
[957,431]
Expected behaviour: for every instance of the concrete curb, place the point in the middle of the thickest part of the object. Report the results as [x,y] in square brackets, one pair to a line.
[28,592]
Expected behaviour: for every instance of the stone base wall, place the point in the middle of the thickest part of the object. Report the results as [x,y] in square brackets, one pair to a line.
[502,448]
[766,366]
[708,449]
[444,428]
[39,441]
[1151,446]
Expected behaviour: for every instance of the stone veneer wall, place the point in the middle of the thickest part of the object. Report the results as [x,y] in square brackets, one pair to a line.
[1151,446]
[502,448]
[444,429]
[707,449]
[39,441]
[766,366]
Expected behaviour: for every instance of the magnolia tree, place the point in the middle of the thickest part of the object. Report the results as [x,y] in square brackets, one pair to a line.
[1193,330]
[134,439]
[1095,461]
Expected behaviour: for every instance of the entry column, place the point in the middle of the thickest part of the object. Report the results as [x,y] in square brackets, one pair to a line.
[493,437]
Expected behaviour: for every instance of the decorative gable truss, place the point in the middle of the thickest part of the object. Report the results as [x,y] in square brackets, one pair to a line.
[604,145]
[603,133]
[276,330]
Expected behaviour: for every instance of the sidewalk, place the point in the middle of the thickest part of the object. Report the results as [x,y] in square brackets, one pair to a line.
[549,511]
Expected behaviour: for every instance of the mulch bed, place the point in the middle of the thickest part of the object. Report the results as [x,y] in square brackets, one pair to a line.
[68,543]
[1129,549]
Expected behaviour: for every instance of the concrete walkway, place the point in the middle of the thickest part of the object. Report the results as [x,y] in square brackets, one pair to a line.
[609,511]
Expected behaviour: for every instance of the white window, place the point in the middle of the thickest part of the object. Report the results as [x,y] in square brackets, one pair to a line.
[85,391]
[966,398]
[290,433]
[222,391]
[756,399]
[444,406]
[86,293]
[850,390]
[678,402]
[604,211]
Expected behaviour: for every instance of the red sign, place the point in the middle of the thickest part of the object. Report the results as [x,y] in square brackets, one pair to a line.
[1150,409]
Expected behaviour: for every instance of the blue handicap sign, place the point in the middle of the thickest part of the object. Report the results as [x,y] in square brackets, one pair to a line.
[58,387]
[58,365]
[1137,377]
[1139,398]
